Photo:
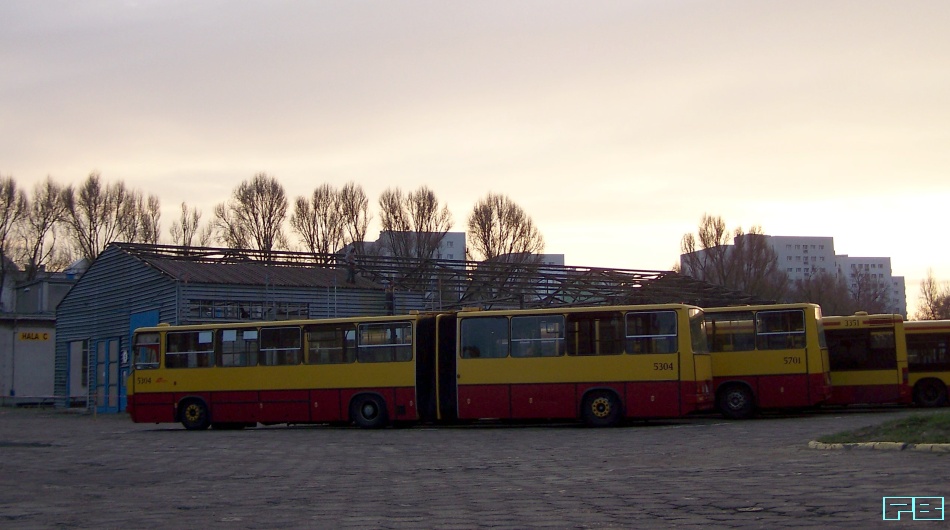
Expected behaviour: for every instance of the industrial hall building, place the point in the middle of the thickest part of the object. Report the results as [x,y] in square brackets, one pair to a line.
[134,285]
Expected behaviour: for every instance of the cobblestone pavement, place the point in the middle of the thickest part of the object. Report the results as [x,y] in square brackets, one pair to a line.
[68,470]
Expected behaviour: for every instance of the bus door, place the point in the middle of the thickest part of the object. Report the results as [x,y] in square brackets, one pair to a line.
[446,389]
[483,389]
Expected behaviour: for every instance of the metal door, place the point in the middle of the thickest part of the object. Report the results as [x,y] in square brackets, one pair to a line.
[108,376]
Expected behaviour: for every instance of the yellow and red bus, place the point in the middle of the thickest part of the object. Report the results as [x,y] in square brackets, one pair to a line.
[767,357]
[868,355]
[367,370]
[928,361]
[599,365]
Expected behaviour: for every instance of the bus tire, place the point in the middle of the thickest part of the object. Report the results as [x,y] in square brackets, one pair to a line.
[368,411]
[735,402]
[601,408]
[930,393]
[193,414]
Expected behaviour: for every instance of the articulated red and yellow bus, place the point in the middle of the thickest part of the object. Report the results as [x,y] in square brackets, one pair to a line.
[767,357]
[928,360]
[868,355]
[600,365]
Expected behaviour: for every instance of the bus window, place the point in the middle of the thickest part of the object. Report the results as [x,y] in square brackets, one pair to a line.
[730,331]
[651,332]
[330,344]
[697,324]
[484,337]
[188,349]
[928,353]
[594,334]
[280,346]
[146,351]
[537,336]
[387,342]
[780,330]
[862,349]
[237,347]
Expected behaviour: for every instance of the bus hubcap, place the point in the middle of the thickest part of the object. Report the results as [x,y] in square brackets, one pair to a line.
[601,407]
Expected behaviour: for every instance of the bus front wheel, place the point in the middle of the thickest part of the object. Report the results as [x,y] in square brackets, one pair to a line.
[930,393]
[601,409]
[368,411]
[194,415]
[735,402]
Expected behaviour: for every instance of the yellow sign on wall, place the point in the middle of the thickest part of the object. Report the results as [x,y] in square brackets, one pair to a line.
[34,335]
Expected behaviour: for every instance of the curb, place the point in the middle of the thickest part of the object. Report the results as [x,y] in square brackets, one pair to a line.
[892,446]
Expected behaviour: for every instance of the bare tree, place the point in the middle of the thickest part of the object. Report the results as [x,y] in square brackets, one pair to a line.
[414,224]
[500,230]
[149,220]
[318,221]
[13,206]
[98,215]
[825,289]
[934,300]
[869,293]
[40,228]
[749,264]
[254,216]
[355,210]
[186,231]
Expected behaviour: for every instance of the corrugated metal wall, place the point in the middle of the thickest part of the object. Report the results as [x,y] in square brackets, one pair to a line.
[99,305]
[117,285]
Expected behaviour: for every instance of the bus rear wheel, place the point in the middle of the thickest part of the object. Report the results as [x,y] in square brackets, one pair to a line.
[601,409]
[735,402]
[930,393]
[194,415]
[369,412]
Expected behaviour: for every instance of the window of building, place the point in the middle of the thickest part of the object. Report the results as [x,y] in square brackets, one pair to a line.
[231,310]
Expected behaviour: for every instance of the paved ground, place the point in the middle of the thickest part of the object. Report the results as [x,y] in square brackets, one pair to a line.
[67,470]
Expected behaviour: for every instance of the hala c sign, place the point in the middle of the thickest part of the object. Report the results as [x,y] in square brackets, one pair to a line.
[34,335]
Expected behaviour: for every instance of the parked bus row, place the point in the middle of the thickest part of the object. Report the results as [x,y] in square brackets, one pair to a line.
[600,365]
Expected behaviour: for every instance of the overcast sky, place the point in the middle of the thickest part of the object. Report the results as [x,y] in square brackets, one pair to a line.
[615,124]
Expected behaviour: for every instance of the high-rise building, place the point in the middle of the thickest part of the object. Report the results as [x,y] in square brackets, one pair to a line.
[803,257]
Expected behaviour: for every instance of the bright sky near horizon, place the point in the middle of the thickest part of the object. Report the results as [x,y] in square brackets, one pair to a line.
[614,124]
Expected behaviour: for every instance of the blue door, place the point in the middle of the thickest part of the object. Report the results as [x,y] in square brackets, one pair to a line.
[108,375]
